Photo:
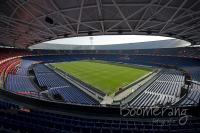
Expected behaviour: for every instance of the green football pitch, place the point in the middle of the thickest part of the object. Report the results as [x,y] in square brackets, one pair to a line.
[105,76]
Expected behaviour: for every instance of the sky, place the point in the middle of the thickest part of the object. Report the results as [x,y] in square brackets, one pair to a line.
[107,39]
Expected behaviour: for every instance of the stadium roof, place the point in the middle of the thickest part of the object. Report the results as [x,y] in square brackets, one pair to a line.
[27,22]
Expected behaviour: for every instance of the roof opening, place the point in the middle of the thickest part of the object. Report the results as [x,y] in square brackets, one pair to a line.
[112,42]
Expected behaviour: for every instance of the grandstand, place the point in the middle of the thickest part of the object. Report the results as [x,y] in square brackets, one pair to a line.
[99,89]
[32,77]
[163,91]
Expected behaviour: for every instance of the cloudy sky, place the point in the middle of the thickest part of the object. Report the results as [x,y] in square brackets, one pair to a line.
[107,39]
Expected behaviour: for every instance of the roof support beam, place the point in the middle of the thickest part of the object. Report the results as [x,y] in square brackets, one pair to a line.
[172,17]
[182,24]
[110,5]
[188,29]
[80,16]
[99,6]
[16,22]
[133,14]
[62,15]
[163,7]
[122,15]
[193,5]
[86,25]
[22,6]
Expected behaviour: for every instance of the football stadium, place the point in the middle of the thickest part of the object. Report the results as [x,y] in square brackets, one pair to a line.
[119,86]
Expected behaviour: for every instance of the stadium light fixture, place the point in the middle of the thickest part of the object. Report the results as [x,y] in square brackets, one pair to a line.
[49,20]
